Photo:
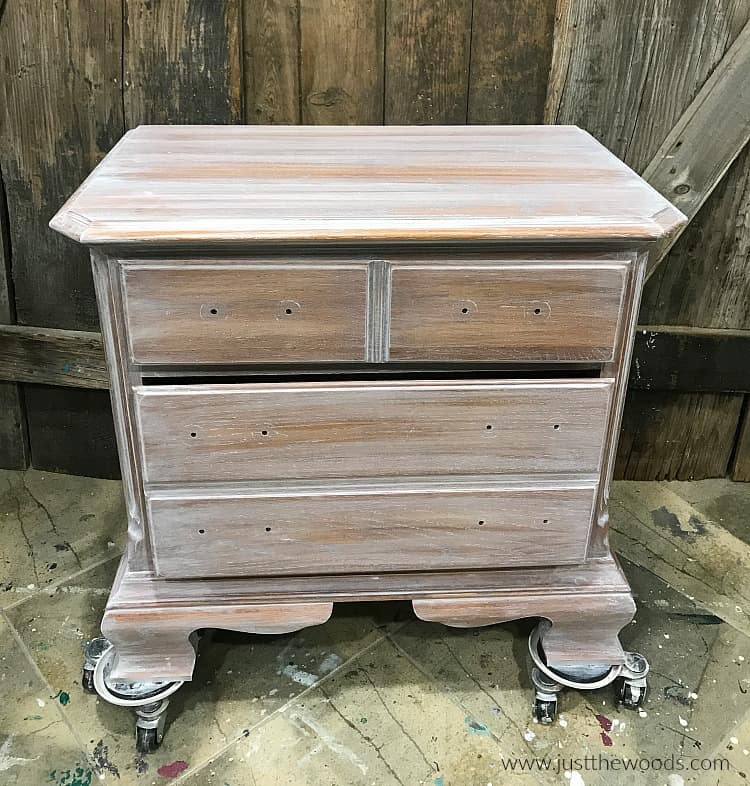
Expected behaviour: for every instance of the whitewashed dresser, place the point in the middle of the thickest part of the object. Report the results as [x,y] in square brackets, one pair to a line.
[365,363]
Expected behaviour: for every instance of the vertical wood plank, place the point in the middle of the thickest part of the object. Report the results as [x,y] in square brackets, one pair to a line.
[741,463]
[14,453]
[271,61]
[511,50]
[626,72]
[685,423]
[182,62]
[78,438]
[341,61]
[427,61]
[60,112]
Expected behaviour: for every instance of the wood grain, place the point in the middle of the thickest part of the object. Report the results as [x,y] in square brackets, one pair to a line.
[14,449]
[54,357]
[181,62]
[511,50]
[427,63]
[362,184]
[741,463]
[341,61]
[72,434]
[620,100]
[56,55]
[240,432]
[684,169]
[359,530]
[584,630]
[271,61]
[695,432]
[142,590]
[237,314]
[530,312]
[152,645]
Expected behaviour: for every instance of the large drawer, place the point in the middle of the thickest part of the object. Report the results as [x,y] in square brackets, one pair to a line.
[365,529]
[238,432]
[536,312]
[213,314]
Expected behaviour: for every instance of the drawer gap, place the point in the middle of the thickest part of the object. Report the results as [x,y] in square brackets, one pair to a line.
[458,372]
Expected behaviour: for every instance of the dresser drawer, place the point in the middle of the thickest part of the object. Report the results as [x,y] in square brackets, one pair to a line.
[545,312]
[360,530]
[214,314]
[337,430]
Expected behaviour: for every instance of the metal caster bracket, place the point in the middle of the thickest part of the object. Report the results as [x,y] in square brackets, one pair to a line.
[149,699]
[629,679]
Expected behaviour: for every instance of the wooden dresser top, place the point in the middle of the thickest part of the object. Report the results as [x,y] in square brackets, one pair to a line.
[193,184]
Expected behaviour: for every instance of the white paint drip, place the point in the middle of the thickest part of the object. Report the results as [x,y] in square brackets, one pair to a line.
[675,780]
[305,722]
[329,663]
[7,761]
[299,675]
[529,735]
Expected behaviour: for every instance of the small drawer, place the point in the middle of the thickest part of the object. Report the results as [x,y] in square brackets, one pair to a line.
[244,432]
[212,314]
[543,312]
[309,531]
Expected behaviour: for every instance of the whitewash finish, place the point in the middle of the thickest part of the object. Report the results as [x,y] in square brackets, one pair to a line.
[496,271]
[194,433]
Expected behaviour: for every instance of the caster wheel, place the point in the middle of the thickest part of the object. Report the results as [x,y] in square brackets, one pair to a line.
[629,695]
[87,680]
[146,740]
[545,710]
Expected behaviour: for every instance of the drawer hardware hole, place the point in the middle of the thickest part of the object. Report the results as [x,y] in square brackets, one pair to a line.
[556,427]
[212,310]
[489,427]
[202,531]
[193,434]
[287,308]
[481,522]
[264,432]
[545,521]
[537,311]
[268,529]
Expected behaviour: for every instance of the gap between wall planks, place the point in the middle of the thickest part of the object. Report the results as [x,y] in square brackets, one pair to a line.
[271,61]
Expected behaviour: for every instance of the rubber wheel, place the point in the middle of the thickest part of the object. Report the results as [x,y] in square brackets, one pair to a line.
[145,740]
[545,711]
[629,696]
[87,680]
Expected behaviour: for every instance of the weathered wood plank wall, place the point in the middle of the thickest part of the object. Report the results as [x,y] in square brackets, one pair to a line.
[75,74]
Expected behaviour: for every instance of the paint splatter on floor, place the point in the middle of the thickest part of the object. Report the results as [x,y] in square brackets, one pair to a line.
[172,770]
[101,760]
[604,722]
[475,727]
[76,777]
[63,697]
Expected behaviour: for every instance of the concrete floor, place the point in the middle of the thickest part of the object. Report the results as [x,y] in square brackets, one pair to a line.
[375,696]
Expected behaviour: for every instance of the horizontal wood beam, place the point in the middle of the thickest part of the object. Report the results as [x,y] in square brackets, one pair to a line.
[73,358]
[705,141]
[683,359]
[688,359]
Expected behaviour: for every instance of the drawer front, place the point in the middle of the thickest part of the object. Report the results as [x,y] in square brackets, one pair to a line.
[546,313]
[197,433]
[261,313]
[361,531]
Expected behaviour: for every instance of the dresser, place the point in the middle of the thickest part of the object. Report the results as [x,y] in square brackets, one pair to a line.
[364,363]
